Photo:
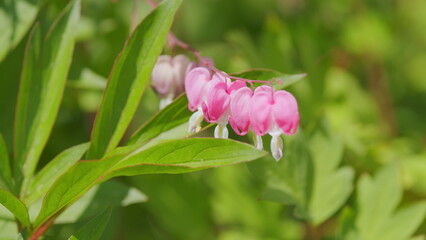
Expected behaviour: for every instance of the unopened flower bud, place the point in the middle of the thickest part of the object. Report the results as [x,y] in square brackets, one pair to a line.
[168,77]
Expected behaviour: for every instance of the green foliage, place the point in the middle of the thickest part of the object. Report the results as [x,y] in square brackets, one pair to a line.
[45,70]
[377,215]
[6,171]
[279,80]
[326,151]
[94,228]
[305,175]
[107,194]
[15,206]
[373,106]
[186,155]
[16,17]
[52,171]
[129,78]
[170,117]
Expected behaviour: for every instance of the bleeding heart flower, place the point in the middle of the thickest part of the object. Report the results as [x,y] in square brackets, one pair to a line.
[168,77]
[195,83]
[216,106]
[264,111]
[209,95]
[240,108]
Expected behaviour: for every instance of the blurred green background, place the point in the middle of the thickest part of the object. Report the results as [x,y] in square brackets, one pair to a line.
[366,84]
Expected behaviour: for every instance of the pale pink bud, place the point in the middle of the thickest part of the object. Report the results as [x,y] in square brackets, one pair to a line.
[168,76]
[180,63]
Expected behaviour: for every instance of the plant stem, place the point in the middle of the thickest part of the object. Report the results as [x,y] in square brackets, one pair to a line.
[174,41]
[41,230]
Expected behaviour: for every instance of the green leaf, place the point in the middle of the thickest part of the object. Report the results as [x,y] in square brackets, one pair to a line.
[180,156]
[171,116]
[88,80]
[386,191]
[305,174]
[377,200]
[22,236]
[326,150]
[43,78]
[15,206]
[107,194]
[281,80]
[185,155]
[5,170]
[288,181]
[94,228]
[404,222]
[7,229]
[16,17]
[129,78]
[52,171]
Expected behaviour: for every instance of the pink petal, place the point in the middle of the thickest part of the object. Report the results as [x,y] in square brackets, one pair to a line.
[286,112]
[261,107]
[240,110]
[195,82]
[162,76]
[221,78]
[234,86]
[217,100]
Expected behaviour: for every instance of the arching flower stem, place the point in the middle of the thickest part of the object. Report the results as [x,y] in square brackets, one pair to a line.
[174,41]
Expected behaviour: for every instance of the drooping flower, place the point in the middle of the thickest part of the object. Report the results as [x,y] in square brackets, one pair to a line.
[216,105]
[264,111]
[168,77]
[276,113]
[209,96]
[195,83]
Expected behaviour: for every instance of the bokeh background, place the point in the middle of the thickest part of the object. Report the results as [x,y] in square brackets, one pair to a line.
[366,83]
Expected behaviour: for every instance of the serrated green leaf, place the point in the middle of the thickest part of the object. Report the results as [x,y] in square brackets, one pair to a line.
[377,198]
[305,174]
[52,171]
[404,222]
[288,181]
[129,78]
[169,117]
[15,206]
[43,79]
[327,150]
[16,17]
[94,228]
[180,156]
[5,170]
[280,80]
[322,205]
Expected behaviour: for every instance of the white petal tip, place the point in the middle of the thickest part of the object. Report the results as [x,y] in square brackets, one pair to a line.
[195,122]
[258,142]
[277,155]
[277,147]
[221,131]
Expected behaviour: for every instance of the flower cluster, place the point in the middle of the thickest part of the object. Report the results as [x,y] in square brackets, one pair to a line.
[216,98]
